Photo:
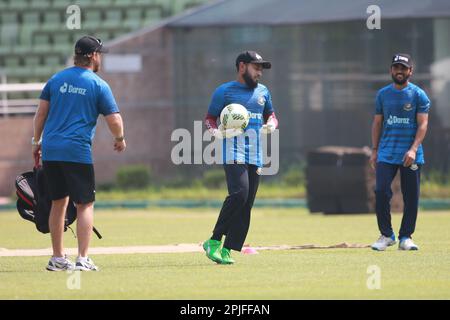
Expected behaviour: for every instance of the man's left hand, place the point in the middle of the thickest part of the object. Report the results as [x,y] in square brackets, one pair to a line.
[409,158]
[119,146]
[267,128]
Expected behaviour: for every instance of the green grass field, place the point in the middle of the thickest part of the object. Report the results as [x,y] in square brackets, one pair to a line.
[284,274]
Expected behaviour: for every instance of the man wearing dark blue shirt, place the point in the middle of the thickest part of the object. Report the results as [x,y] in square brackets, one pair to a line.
[69,106]
[399,127]
[242,155]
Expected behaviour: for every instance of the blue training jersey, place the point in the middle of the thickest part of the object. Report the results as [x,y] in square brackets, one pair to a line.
[247,147]
[399,109]
[77,97]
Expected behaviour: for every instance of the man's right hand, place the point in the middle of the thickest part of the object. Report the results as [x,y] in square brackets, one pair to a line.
[36,151]
[373,158]
[221,133]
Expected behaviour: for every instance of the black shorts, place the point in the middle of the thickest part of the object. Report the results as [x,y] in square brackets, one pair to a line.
[76,180]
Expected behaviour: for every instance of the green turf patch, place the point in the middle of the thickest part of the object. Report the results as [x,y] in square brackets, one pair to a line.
[286,274]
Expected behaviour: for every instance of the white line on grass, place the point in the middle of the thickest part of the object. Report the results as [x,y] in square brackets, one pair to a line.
[176,248]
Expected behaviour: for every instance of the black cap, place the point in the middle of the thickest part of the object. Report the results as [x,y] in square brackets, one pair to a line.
[402,58]
[89,44]
[252,57]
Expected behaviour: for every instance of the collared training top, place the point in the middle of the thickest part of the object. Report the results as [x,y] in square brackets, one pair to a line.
[399,109]
[245,148]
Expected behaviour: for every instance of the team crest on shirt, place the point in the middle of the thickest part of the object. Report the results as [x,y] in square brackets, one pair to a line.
[262,100]
[407,107]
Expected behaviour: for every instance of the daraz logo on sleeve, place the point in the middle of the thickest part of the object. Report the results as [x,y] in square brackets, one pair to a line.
[71,89]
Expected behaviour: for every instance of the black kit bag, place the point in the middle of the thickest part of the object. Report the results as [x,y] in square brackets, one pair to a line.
[34,203]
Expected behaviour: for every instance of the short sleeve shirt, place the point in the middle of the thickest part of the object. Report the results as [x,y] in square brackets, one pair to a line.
[77,97]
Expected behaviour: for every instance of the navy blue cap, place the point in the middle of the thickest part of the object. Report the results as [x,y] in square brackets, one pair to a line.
[402,58]
[252,57]
[89,44]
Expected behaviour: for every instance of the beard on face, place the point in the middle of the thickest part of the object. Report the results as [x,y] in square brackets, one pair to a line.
[402,81]
[96,66]
[252,84]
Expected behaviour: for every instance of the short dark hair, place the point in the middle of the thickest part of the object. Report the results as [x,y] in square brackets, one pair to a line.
[82,60]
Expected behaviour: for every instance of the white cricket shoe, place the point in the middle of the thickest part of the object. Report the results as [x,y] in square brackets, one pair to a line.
[60,264]
[383,242]
[407,244]
[85,264]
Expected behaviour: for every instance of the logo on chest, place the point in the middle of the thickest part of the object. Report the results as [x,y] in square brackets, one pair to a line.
[261,100]
[407,107]
[396,120]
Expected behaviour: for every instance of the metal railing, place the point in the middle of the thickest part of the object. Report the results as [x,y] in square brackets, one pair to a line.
[17,106]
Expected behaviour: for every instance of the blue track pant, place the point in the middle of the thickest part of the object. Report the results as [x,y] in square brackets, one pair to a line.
[410,185]
[234,218]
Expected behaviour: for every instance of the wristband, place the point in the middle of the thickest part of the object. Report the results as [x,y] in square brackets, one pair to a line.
[35,143]
[119,139]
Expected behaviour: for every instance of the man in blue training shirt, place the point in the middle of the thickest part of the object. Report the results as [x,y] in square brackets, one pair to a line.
[66,117]
[399,127]
[242,155]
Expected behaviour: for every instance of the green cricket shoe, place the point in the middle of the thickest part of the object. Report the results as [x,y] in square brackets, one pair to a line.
[226,256]
[212,249]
